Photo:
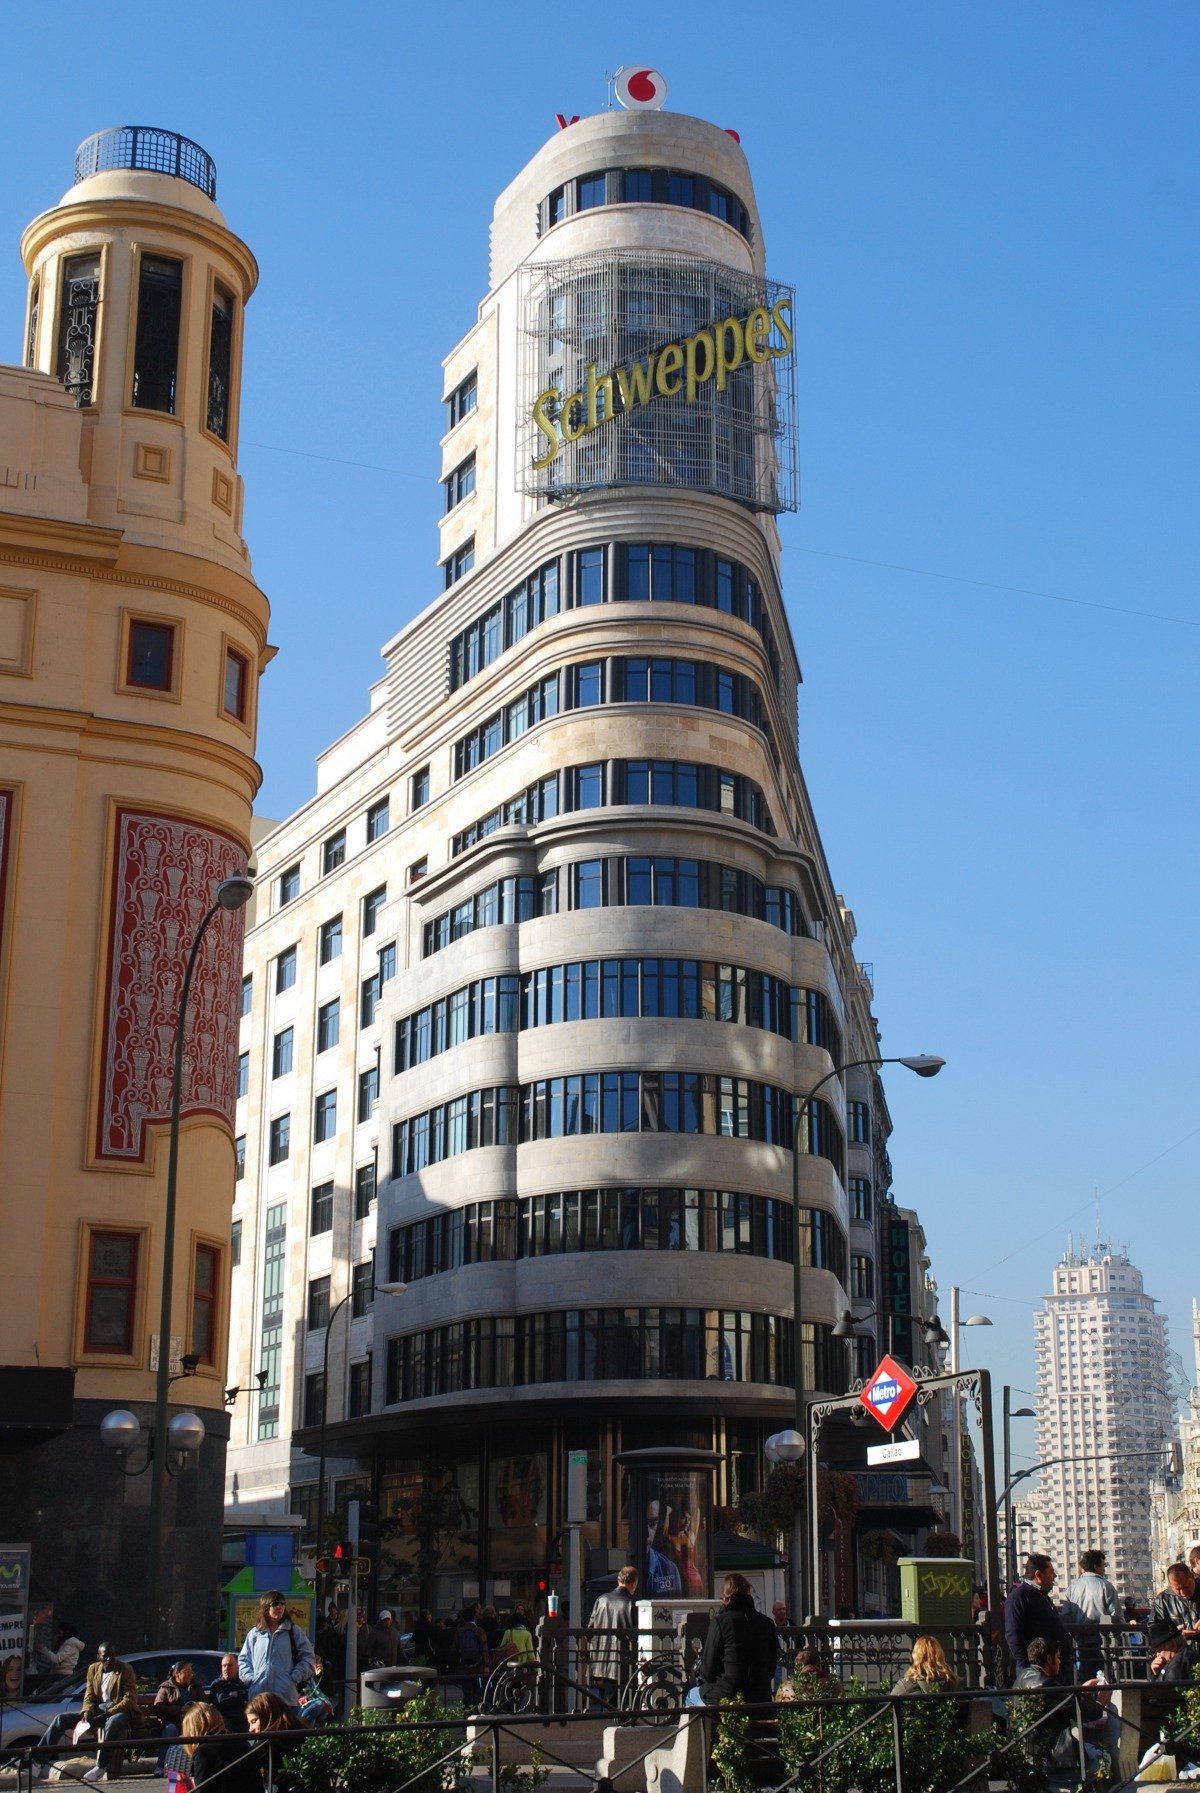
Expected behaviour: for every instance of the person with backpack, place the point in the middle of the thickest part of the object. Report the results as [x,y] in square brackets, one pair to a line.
[276,1655]
[471,1655]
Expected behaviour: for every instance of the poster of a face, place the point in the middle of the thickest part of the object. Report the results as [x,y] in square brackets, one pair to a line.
[675,1534]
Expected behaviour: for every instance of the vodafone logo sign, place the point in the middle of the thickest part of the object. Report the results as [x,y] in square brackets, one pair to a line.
[640,89]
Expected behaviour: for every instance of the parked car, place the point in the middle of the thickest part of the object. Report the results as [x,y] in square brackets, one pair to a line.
[23,1721]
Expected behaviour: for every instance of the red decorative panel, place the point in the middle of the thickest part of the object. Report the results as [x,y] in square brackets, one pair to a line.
[165,878]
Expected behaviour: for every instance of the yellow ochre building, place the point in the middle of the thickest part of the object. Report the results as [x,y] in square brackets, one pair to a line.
[132,636]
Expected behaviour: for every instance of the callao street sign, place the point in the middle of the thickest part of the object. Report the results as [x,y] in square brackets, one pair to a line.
[889,1393]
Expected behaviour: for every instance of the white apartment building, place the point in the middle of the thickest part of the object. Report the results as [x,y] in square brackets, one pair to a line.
[1103,1416]
[539,978]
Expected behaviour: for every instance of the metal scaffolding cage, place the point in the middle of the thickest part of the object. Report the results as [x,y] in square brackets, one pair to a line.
[593,330]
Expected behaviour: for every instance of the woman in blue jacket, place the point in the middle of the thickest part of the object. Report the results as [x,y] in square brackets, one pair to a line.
[276,1655]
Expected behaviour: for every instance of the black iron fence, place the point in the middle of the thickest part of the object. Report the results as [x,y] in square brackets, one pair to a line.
[946,1742]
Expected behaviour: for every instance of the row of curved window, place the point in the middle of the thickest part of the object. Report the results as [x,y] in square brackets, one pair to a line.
[613,989]
[613,573]
[617,881]
[615,679]
[644,186]
[623,1219]
[590,1102]
[678,783]
[599,1344]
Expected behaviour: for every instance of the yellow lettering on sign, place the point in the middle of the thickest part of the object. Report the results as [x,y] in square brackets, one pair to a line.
[544,408]
[596,389]
[636,383]
[730,348]
[758,328]
[702,341]
[670,363]
[709,354]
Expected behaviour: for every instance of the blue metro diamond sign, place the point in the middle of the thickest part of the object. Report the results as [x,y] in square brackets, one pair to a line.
[889,1393]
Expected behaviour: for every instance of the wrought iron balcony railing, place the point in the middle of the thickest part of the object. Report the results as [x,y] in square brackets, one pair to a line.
[148,147]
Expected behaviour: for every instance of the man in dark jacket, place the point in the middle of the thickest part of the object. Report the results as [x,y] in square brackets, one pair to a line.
[1028,1613]
[740,1651]
[1045,1672]
[1178,1603]
[382,1643]
[229,1694]
[612,1649]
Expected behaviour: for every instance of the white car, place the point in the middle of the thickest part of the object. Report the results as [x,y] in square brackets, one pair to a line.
[23,1721]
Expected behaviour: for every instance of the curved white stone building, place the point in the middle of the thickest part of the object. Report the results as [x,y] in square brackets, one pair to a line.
[566,947]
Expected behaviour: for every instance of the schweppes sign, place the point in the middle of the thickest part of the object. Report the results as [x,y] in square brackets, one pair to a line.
[682,369]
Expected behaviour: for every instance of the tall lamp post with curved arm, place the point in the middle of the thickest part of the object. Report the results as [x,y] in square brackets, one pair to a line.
[382,1288]
[791,1448]
[231,894]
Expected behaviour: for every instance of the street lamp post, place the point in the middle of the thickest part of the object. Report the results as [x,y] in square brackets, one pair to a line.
[383,1288]
[956,1486]
[847,1327]
[1010,1530]
[232,894]
[803,1586]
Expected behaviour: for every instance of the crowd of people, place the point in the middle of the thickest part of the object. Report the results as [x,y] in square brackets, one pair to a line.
[463,1648]
[1056,1646]
[276,1682]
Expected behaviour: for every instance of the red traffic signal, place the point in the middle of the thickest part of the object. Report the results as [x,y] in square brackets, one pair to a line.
[343,1550]
[541,1584]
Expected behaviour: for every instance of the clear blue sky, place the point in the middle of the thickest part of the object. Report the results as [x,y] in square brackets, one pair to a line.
[990,213]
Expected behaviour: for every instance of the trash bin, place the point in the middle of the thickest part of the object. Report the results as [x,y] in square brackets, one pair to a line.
[386,1689]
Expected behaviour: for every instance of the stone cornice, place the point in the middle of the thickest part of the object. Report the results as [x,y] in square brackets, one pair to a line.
[90,552]
[63,546]
[94,216]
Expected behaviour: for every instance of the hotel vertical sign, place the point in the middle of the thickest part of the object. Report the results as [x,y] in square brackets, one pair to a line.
[898,1285]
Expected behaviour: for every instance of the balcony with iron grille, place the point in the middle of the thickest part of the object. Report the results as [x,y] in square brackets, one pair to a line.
[151,149]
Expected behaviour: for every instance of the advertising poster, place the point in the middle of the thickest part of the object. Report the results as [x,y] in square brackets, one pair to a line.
[674,1555]
[14,1599]
[245,1615]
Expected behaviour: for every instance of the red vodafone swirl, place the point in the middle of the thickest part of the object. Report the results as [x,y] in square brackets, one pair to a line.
[640,89]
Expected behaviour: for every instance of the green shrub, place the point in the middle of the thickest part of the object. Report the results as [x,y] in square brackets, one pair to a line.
[938,1749]
[730,1750]
[388,1750]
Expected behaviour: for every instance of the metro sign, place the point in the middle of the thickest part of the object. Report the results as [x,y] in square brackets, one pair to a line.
[889,1393]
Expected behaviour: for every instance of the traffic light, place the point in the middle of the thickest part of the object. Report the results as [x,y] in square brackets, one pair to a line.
[343,1552]
[541,1586]
[368,1529]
